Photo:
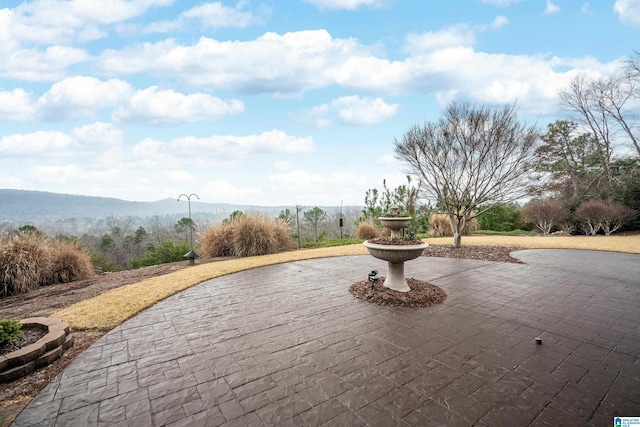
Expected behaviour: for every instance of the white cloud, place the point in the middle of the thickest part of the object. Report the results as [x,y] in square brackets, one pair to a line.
[63,22]
[352,110]
[282,165]
[179,175]
[80,141]
[16,105]
[363,111]
[313,188]
[81,96]
[69,174]
[156,106]
[344,4]
[457,35]
[39,65]
[586,8]
[40,142]
[273,63]
[220,189]
[273,141]
[628,11]
[213,15]
[499,22]
[442,63]
[551,8]
[98,134]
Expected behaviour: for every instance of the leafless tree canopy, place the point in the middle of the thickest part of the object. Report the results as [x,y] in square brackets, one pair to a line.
[474,155]
[545,214]
[608,107]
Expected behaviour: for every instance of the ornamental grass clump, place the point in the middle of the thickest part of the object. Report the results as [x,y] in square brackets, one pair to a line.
[440,226]
[217,240]
[69,262]
[281,235]
[254,236]
[25,263]
[246,235]
[366,231]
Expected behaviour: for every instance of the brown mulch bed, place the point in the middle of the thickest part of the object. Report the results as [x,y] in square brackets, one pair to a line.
[47,300]
[29,336]
[485,253]
[422,294]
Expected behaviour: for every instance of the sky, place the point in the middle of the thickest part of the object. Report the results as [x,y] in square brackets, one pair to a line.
[273,102]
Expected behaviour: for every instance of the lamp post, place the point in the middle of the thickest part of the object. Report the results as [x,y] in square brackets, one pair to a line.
[191,255]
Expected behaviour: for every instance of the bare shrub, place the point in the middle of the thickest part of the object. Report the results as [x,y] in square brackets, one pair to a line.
[69,261]
[24,263]
[545,214]
[591,215]
[253,236]
[385,232]
[568,227]
[217,240]
[366,231]
[440,226]
[605,215]
[614,217]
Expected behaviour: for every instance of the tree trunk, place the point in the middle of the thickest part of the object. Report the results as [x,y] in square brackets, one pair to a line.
[457,225]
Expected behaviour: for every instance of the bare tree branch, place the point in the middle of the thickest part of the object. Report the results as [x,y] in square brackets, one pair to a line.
[472,156]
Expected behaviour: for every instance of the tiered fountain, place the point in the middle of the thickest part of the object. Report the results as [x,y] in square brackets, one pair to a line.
[394,254]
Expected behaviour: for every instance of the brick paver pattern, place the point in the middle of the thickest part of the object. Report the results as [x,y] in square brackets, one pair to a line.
[289,345]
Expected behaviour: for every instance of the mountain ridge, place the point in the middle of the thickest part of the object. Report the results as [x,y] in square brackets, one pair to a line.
[30,205]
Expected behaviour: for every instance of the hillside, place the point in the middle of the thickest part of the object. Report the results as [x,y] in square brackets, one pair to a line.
[26,206]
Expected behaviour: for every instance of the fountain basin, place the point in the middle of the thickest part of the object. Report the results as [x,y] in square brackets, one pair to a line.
[395,224]
[395,255]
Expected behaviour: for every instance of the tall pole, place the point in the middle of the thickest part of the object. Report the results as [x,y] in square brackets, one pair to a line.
[190,221]
[298,223]
[341,222]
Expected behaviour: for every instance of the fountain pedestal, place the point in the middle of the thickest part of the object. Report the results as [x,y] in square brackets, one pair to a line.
[395,255]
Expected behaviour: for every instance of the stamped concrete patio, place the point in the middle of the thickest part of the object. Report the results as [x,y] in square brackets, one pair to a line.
[288,345]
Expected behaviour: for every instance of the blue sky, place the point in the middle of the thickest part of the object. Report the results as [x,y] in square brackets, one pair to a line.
[275,102]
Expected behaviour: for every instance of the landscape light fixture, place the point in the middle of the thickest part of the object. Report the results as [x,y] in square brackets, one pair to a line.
[373,278]
[191,255]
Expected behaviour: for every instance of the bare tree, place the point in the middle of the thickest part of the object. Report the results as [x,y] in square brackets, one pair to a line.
[615,215]
[474,156]
[591,214]
[545,214]
[582,97]
[160,228]
[606,106]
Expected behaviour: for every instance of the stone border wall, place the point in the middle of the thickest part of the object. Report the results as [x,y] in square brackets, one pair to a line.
[50,347]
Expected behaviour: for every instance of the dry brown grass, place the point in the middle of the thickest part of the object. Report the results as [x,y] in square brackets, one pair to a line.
[69,262]
[217,240]
[24,264]
[281,235]
[366,231]
[440,226]
[113,307]
[246,235]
